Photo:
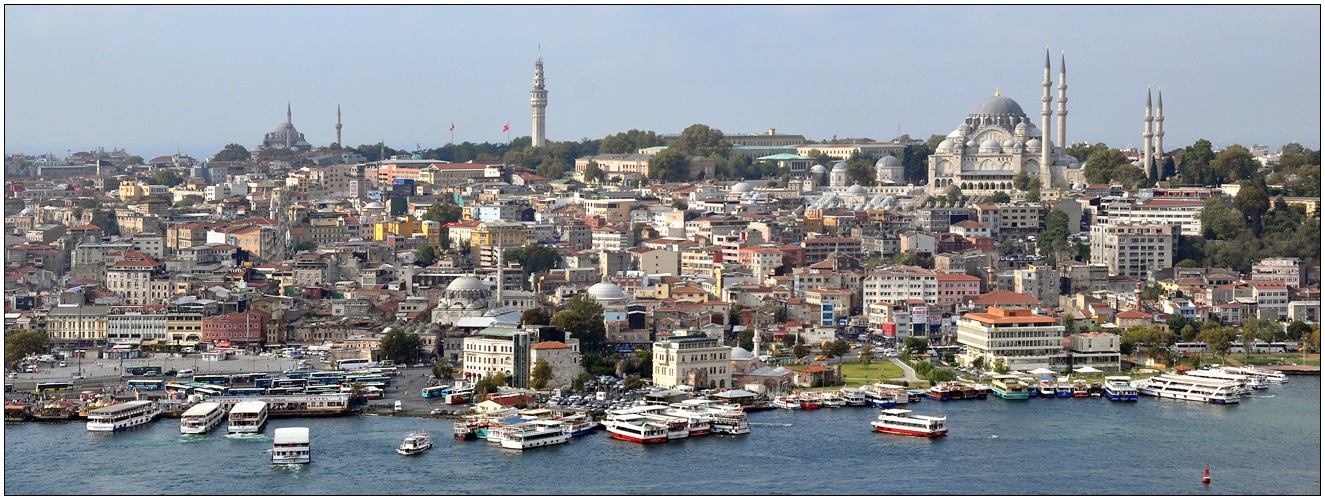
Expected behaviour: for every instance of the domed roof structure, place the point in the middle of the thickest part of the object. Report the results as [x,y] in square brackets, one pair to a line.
[964,127]
[742,187]
[841,166]
[971,143]
[373,205]
[947,143]
[1008,143]
[416,156]
[740,354]
[856,189]
[890,161]
[989,143]
[607,291]
[466,283]
[998,105]
[818,169]
[1033,143]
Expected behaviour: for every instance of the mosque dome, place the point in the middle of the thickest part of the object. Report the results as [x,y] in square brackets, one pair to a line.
[607,291]
[1033,143]
[1008,143]
[818,169]
[971,143]
[989,143]
[998,105]
[742,187]
[416,156]
[466,284]
[740,354]
[1021,128]
[840,167]
[373,205]
[946,144]
[891,161]
[856,189]
[964,127]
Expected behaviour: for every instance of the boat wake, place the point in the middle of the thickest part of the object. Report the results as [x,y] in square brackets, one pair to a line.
[995,436]
[249,437]
[1267,396]
[770,424]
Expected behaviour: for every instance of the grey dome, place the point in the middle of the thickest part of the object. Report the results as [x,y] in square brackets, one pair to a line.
[740,354]
[818,169]
[946,144]
[891,161]
[607,291]
[964,127]
[1008,143]
[998,105]
[1021,128]
[1033,143]
[373,205]
[989,143]
[971,143]
[856,189]
[840,167]
[742,187]
[465,284]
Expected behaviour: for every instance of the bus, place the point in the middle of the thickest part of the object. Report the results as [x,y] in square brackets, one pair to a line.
[139,371]
[147,384]
[245,378]
[184,388]
[283,391]
[1190,347]
[221,380]
[263,382]
[322,389]
[289,382]
[355,364]
[297,374]
[347,385]
[207,392]
[368,392]
[436,391]
[54,386]
[458,397]
[245,391]
[385,381]
[323,380]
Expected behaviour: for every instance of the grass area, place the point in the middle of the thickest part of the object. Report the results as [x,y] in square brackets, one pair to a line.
[857,374]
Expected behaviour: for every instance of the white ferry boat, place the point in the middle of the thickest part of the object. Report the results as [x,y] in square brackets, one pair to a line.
[1189,388]
[201,418]
[1272,376]
[637,428]
[291,446]
[855,398]
[415,443]
[787,403]
[834,400]
[677,427]
[883,396]
[722,418]
[539,433]
[247,418]
[578,425]
[894,421]
[1246,383]
[122,416]
[1119,388]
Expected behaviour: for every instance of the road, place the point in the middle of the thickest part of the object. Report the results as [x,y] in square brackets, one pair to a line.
[910,374]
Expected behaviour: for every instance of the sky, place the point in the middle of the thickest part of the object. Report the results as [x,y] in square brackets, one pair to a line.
[159,79]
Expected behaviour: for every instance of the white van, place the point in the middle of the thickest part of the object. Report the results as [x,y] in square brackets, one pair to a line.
[398,407]
[185,373]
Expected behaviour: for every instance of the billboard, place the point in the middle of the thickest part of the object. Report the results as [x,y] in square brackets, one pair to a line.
[888,329]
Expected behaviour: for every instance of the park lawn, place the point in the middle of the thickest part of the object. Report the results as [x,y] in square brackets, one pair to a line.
[857,374]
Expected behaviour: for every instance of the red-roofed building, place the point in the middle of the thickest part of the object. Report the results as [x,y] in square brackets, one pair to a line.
[136,278]
[563,358]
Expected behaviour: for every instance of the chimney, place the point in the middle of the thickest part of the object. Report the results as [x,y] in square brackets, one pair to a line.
[772,132]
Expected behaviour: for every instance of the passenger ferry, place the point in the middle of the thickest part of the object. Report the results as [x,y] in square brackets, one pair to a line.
[1046,387]
[201,418]
[539,433]
[291,446]
[1119,388]
[309,405]
[834,400]
[1245,382]
[894,421]
[122,416]
[1272,376]
[1064,388]
[1009,387]
[1189,388]
[247,418]
[855,398]
[578,424]
[709,416]
[1080,389]
[467,429]
[415,443]
[677,427]
[636,428]
[810,401]
[787,403]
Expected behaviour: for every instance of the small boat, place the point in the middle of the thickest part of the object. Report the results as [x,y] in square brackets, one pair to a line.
[1096,388]
[810,401]
[578,425]
[56,410]
[1064,388]
[1119,388]
[834,400]
[1189,388]
[1009,387]
[415,443]
[941,392]
[291,446]
[1080,389]
[16,411]
[466,429]
[855,398]
[201,418]
[895,421]
[1046,387]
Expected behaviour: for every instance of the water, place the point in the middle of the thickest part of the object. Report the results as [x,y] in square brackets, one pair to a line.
[1263,446]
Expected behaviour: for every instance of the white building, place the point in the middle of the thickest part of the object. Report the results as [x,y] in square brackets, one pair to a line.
[1132,250]
[1183,213]
[693,360]
[133,325]
[1096,350]
[898,283]
[1023,340]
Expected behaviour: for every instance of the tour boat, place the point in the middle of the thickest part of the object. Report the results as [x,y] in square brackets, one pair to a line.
[247,417]
[710,417]
[787,403]
[1064,388]
[291,446]
[415,443]
[1189,388]
[1096,388]
[855,398]
[727,421]
[697,424]
[201,418]
[895,421]
[636,428]
[1272,376]
[1080,389]
[1119,388]
[810,401]
[1009,387]
[499,432]
[941,392]
[882,395]
[677,427]
[122,416]
[1245,382]
[536,434]
[833,400]
[55,410]
[578,425]
[466,429]
[1046,387]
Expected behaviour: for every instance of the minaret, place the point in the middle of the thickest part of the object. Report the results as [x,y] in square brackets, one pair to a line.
[1159,135]
[501,275]
[338,143]
[289,127]
[1045,175]
[1062,102]
[538,99]
[1145,152]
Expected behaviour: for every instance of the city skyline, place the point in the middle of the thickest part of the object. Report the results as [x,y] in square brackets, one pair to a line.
[406,74]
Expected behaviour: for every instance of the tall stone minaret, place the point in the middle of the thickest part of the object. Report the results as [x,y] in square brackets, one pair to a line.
[1046,176]
[1062,102]
[1145,152]
[289,127]
[1159,135]
[538,99]
[338,143]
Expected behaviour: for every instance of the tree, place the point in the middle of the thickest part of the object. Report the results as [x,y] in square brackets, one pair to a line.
[1152,292]
[541,374]
[1001,366]
[1082,150]
[168,177]
[1129,176]
[552,169]
[1219,222]
[1069,322]
[1033,190]
[1297,330]
[922,368]
[1176,322]
[644,363]
[699,140]
[915,345]
[134,160]
[999,197]
[534,316]
[634,382]
[978,363]
[534,258]
[583,320]
[746,339]
[865,356]
[637,230]
[490,383]
[595,364]
[1100,165]
[1195,168]
[21,343]
[1252,201]
[1021,181]
[187,201]
[400,346]
[442,372]
[1218,339]
[443,213]
[592,172]
[399,205]
[232,152]
[861,171]
[306,246]
[669,165]
[1187,263]
[1234,163]
[837,348]
[106,221]
[577,384]
[629,142]
[426,256]
[800,350]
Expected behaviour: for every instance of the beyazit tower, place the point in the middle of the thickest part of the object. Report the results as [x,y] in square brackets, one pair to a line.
[538,99]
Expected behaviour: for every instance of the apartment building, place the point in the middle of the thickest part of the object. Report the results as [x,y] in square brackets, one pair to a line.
[1132,250]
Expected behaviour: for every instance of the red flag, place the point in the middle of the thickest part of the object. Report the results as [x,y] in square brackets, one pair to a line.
[452,126]
[507,127]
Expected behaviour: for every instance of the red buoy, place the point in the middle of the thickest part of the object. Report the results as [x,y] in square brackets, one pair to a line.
[1206,478]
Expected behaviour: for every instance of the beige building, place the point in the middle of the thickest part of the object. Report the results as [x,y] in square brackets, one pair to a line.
[131,278]
[1023,340]
[563,357]
[1132,250]
[77,323]
[694,360]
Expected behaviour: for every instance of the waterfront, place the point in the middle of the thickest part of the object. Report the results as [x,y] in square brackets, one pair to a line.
[1268,444]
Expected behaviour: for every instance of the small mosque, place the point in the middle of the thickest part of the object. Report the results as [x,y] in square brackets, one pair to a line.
[285,135]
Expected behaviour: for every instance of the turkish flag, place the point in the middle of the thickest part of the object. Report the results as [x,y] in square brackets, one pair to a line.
[507,127]
[453,126]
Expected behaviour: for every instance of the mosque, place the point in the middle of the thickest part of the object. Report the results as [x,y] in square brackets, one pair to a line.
[285,135]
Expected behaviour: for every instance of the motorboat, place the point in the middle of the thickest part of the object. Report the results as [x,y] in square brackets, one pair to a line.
[415,443]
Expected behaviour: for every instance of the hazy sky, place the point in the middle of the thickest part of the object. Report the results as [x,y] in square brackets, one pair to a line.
[155,79]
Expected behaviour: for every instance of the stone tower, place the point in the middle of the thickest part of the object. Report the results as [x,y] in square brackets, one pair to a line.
[338,143]
[538,99]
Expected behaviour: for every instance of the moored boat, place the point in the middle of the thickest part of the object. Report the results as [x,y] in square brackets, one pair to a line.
[1047,387]
[1096,388]
[941,392]
[466,429]
[1009,387]
[1064,388]
[1080,389]
[1189,388]
[578,425]
[1246,383]
[415,443]
[122,416]
[895,421]
[55,410]
[1119,388]
[636,428]
[1272,376]
[537,434]
[16,411]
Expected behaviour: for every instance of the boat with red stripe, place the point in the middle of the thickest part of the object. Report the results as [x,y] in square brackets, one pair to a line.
[895,421]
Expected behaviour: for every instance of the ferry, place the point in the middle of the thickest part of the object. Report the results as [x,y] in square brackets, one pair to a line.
[1245,382]
[894,421]
[855,398]
[201,418]
[122,416]
[308,405]
[941,392]
[539,433]
[247,418]
[810,401]
[1080,389]
[787,403]
[578,425]
[1064,388]
[636,428]
[1119,388]
[467,429]
[677,427]
[415,443]
[834,400]
[291,446]
[882,395]
[1009,387]
[1046,387]
[1189,388]
[710,417]
[498,432]
[1272,376]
